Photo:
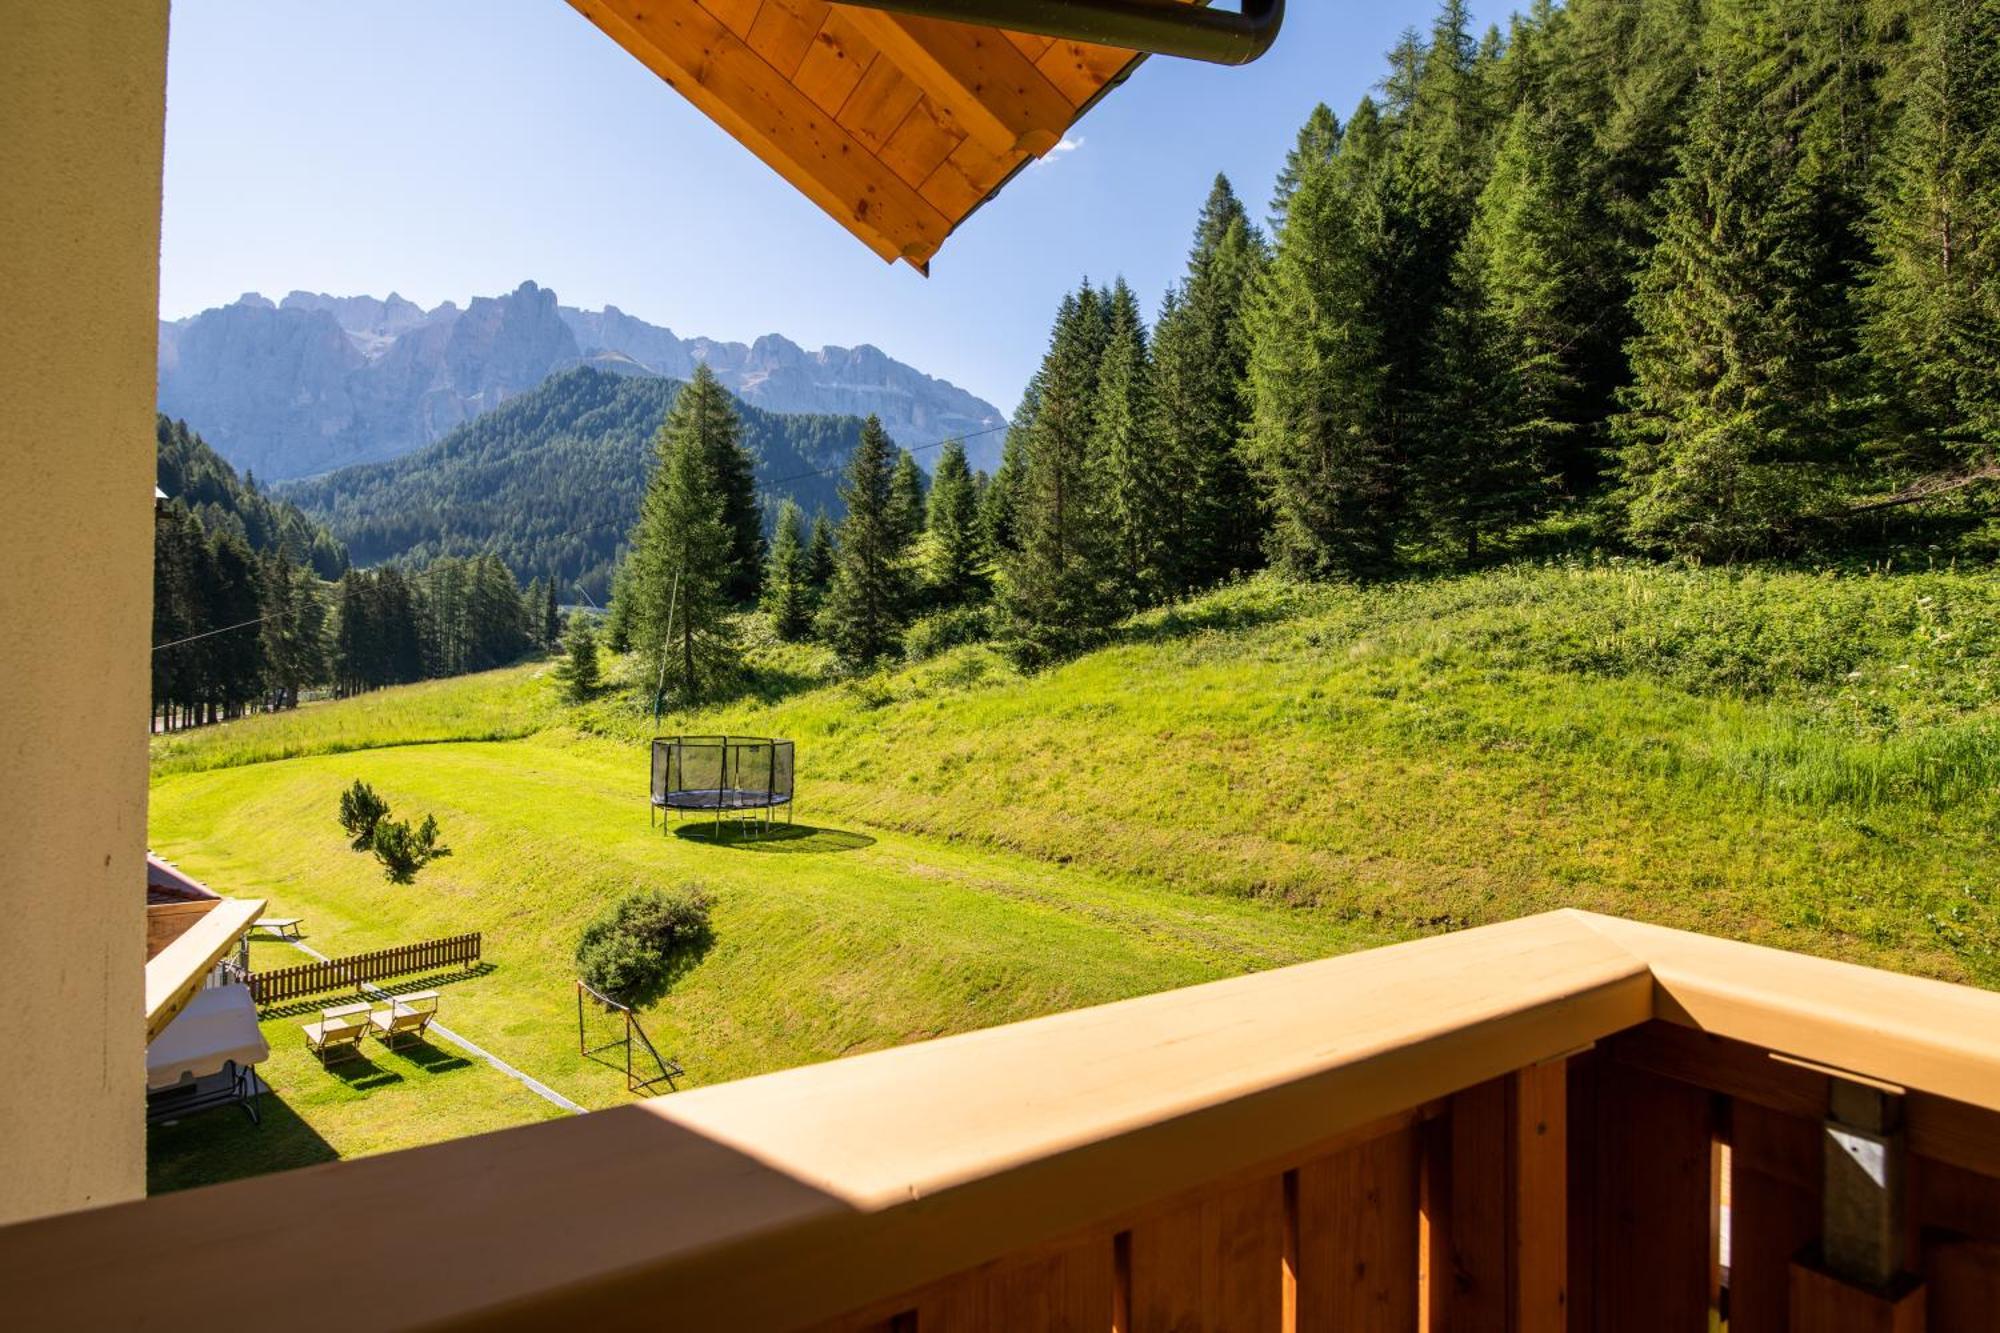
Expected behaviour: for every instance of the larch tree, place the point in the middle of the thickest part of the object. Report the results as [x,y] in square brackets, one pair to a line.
[865,608]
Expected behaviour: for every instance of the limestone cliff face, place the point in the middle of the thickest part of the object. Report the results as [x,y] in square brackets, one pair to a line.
[317,382]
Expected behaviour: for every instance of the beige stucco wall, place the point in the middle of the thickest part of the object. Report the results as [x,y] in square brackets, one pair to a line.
[82,105]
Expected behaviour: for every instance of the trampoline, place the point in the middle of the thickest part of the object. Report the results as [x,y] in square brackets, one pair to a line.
[746,777]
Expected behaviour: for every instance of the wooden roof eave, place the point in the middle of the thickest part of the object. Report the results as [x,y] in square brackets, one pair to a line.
[698,56]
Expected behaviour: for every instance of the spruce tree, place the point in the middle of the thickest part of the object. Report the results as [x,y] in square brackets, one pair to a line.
[865,608]
[955,560]
[1315,376]
[1201,353]
[704,411]
[1126,450]
[1737,423]
[997,505]
[819,558]
[1319,139]
[1932,301]
[678,576]
[551,614]
[1061,586]
[578,671]
[787,595]
[906,500]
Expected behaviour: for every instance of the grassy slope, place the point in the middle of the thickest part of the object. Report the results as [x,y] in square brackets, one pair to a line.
[1268,775]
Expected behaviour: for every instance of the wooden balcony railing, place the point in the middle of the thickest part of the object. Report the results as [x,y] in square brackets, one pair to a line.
[1522,1127]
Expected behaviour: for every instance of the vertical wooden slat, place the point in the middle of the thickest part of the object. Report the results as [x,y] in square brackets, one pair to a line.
[1774,1211]
[1244,1289]
[1583,1082]
[1539,1125]
[1066,1292]
[1465,1200]
[1357,1229]
[1963,1281]
[1655,1203]
[1167,1272]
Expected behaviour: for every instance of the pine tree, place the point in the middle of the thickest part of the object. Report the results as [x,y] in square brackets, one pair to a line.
[955,560]
[1933,299]
[682,568]
[1126,451]
[1201,352]
[865,607]
[1061,585]
[1736,425]
[578,671]
[787,595]
[906,500]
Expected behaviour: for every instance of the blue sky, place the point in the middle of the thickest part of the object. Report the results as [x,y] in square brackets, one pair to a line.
[452,148]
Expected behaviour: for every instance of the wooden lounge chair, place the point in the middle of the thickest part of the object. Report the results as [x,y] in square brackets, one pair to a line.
[279,927]
[337,1036]
[405,1018]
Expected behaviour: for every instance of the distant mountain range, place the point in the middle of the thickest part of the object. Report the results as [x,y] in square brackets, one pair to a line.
[318,382]
[550,481]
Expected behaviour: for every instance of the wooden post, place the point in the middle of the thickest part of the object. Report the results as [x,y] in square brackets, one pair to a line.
[1495,1203]
[1540,1127]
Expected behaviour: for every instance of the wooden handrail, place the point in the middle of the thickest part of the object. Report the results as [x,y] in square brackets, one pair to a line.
[799,1196]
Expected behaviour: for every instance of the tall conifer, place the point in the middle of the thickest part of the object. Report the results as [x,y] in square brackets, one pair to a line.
[865,608]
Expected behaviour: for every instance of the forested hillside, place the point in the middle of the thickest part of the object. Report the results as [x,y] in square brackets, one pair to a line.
[192,473]
[550,481]
[1715,282]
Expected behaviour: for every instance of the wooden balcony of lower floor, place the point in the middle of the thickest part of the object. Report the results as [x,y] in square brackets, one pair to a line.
[1570,1124]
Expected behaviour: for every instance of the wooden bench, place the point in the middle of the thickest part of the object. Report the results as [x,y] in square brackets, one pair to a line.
[404,1018]
[337,1036]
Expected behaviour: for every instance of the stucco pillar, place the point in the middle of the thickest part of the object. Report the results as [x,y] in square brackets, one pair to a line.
[82,109]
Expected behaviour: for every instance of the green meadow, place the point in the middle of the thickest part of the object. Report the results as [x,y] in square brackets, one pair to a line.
[1267,774]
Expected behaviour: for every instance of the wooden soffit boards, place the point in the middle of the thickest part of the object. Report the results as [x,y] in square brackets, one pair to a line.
[899,127]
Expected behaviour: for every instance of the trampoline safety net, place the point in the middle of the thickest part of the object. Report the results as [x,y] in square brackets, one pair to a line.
[721,773]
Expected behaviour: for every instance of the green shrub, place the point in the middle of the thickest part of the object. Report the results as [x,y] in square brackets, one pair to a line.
[946,630]
[360,811]
[633,948]
[404,852]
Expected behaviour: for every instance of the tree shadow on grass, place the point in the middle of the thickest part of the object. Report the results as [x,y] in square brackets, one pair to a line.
[792,838]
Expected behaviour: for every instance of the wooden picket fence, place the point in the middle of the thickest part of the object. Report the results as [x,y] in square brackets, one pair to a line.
[291,983]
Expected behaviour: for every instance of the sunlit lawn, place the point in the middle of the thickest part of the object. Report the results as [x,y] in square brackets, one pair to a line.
[1267,776]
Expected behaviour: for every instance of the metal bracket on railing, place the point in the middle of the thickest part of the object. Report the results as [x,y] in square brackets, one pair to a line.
[1162,27]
